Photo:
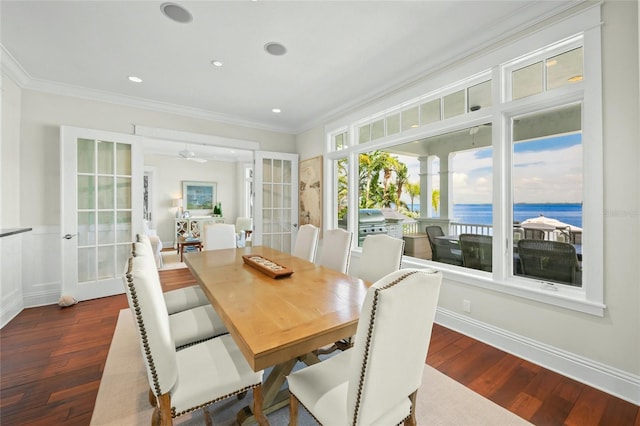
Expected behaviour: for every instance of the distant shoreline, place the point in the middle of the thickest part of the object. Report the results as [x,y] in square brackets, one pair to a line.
[482,214]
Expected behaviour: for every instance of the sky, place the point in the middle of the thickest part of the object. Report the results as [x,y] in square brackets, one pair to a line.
[546,170]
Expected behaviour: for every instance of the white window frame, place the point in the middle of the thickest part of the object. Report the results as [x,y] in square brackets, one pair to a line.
[590,297]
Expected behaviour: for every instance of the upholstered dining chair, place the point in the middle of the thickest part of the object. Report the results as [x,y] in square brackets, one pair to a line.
[306,243]
[189,326]
[336,250]
[219,236]
[381,255]
[477,251]
[375,382]
[154,241]
[180,299]
[192,378]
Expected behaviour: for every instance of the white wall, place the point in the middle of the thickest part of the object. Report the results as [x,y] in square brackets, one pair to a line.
[33,119]
[170,172]
[10,247]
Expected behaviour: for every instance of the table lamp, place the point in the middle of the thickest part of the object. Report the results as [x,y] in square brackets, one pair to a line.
[177,202]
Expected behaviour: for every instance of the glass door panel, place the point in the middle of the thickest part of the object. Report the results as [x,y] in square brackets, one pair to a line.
[276,200]
[98,182]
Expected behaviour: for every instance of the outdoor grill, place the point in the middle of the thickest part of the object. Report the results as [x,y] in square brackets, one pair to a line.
[370,222]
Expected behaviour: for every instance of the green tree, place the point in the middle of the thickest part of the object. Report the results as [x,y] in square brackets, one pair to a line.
[435,200]
[402,179]
[413,190]
[343,188]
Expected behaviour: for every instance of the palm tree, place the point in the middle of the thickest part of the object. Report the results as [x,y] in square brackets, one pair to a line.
[413,190]
[435,199]
[402,179]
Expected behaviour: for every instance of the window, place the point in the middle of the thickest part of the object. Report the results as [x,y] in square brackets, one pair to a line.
[488,156]
[548,195]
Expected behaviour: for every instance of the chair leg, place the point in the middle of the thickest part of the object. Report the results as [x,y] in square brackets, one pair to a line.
[411,420]
[293,411]
[152,398]
[257,407]
[162,413]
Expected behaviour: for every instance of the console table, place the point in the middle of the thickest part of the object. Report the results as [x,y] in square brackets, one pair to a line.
[193,226]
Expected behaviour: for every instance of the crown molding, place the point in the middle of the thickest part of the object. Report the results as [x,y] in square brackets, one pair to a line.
[12,68]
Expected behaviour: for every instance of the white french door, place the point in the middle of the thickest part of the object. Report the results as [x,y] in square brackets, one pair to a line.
[101,183]
[276,200]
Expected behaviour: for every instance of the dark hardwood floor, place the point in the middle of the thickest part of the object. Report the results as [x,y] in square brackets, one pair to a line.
[51,362]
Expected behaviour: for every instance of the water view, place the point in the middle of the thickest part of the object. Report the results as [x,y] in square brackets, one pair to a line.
[481,214]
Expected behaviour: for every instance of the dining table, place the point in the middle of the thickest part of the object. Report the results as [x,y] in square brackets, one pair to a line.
[277,321]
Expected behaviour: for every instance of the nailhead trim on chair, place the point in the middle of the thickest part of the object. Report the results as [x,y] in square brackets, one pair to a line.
[174,414]
[141,327]
[369,336]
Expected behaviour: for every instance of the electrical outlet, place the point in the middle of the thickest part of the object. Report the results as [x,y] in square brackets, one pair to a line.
[466,305]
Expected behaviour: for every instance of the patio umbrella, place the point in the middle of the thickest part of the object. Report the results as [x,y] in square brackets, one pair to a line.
[547,223]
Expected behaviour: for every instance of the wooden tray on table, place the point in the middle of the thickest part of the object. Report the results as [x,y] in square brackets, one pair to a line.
[266,266]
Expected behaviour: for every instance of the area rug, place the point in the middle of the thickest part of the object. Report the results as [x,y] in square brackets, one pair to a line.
[171,260]
[122,396]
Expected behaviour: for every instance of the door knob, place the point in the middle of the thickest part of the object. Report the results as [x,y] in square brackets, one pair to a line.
[69,236]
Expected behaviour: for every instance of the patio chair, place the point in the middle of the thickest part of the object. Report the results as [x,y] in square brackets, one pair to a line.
[549,260]
[440,249]
[533,234]
[477,251]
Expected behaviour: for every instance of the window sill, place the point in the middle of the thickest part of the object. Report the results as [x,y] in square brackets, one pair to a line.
[562,296]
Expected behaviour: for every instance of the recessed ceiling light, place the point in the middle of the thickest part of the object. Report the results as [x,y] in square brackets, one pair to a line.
[275,49]
[276,110]
[176,13]
[216,63]
[135,79]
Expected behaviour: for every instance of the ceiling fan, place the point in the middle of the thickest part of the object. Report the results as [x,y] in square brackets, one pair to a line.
[187,154]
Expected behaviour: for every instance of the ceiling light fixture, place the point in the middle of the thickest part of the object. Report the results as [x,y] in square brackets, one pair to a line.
[275,49]
[276,110]
[176,13]
[135,79]
[216,63]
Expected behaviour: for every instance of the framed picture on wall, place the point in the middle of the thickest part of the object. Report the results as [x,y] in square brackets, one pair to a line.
[310,210]
[199,197]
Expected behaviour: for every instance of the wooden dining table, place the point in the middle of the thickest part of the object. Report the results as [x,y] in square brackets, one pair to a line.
[277,322]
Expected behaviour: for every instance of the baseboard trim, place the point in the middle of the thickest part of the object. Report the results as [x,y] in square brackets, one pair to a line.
[11,307]
[41,298]
[616,382]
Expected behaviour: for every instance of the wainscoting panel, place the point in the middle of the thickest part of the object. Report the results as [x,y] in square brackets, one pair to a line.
[10,277]
[41,266]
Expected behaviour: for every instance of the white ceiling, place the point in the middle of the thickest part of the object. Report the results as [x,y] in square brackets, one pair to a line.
[340,55]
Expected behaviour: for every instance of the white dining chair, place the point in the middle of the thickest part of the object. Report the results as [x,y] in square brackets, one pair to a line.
[336,250]
[154,241]
[194,377]
[219,236]
[381,255]
[180,299]
[306,242]
[188,326]
[375,382]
